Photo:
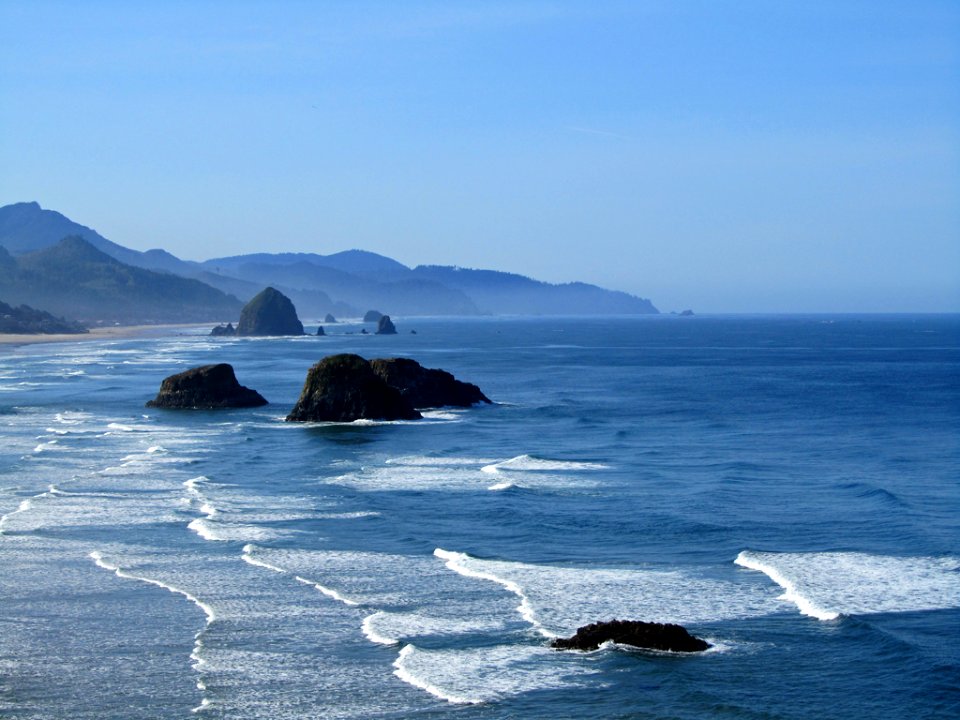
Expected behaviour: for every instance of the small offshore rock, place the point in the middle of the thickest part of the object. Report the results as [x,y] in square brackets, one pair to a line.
[372,316]
[208,387]
[385,326]
[270,312]
[652,636]
[344,388]
[330,319]
[320,330]
[426,387]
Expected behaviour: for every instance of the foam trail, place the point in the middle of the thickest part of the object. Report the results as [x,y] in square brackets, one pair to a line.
[116,570]
[372,634]
[458,563]
[197,661]
[401,671]
[333,594]
[791,594]
[23,507]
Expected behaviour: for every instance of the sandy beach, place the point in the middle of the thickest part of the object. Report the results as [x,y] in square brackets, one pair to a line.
[103,333]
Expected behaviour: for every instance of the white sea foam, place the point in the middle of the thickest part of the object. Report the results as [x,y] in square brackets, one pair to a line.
[97,557]
[391,628]
[530,463]
[248,557]
[557,600]
[329,592]
[461,563]
[487,674]
[230,531]
[830,584]
[22,507]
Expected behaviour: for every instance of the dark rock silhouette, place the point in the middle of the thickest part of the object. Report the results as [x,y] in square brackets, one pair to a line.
[653,636]
[269,313]
[330,319]
[425,387]
[686,313]
[385,326]
[320,330]
[372,316]
[207,387]
[344,388]
[224,330]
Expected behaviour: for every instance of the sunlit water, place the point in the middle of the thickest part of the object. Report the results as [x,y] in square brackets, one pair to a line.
[785,487]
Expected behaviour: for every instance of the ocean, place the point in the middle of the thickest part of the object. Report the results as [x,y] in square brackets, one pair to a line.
[785,487]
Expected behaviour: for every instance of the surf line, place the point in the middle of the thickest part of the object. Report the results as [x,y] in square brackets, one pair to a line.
[457,562]
[791,594]
[197,662]
[329,592]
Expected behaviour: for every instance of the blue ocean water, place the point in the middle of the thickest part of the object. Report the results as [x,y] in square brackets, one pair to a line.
[786,487]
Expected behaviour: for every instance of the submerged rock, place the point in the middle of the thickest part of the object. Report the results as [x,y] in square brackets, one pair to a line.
[344,388]
[385,326]
[426,387]
[208,387]
[270,312]
[653,636]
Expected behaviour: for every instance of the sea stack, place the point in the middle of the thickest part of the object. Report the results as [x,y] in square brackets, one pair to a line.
[344,388]
[208,387]
[652,636]
[426,387]
[270,312]
[385,326]
[372,316]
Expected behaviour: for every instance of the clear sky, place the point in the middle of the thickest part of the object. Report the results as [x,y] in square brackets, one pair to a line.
[743,156]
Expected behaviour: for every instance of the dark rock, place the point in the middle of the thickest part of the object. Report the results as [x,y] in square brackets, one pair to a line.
[206,387]
[372,316]
[425,387]
[687,313]
[653,636]
[320,330]
[270,312]
[385,326]
[224,330]
[330,319]
[344,388]
[364,331]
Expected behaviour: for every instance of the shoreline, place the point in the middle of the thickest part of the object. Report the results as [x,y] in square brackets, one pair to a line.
[101,333]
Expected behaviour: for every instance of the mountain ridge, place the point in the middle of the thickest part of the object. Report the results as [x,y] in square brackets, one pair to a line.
[345,283]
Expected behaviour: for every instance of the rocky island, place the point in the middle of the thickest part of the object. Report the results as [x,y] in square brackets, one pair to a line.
[270,312]
[208,387]
[652,636]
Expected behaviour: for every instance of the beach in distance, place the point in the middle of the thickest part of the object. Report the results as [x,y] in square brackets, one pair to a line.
[782,486]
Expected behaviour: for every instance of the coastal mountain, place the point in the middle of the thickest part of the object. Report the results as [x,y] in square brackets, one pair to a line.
[343,283]
[28,320]
[74,278]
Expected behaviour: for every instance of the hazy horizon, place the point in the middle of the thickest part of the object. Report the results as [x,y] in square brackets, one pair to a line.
[728,159]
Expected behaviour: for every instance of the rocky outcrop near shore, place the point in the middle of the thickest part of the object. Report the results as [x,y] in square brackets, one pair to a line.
[385,326]
[344,388]
[207,387]
[652,636]
[270,312]
[426,387]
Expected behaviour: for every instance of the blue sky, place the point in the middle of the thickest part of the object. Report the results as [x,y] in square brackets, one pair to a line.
[730,157]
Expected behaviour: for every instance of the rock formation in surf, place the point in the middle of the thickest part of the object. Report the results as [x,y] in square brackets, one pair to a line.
[330,319]
[372,316]
[385,326]
[653,636]
[208,387]
[344,388]
[270,312]
[426,387]
[224,330]
[320,331]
